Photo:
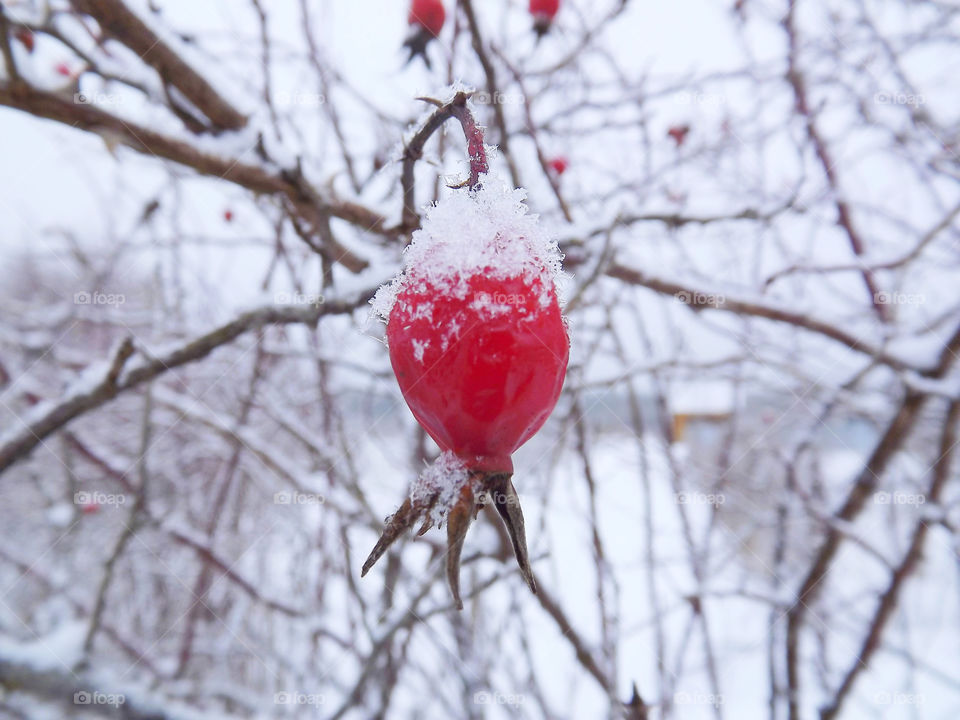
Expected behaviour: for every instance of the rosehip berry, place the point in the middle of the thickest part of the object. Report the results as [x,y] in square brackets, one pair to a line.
[480,361]
[543,12]
[479,348]
[559,165]
[679,133]
[63,69]
[426,20]
[228,215]
[428,14]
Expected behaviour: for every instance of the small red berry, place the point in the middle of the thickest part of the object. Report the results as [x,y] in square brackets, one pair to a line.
[428,14]
[547,8]
[679,133]
[26,38]
[228,215]
[63,68]
[543,12]
[90,508]
[476,337]
[426,19]
[559,164]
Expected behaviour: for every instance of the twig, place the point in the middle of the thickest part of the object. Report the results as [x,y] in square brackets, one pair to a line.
[456,108]
[19,444]
[118,21]
[891,596]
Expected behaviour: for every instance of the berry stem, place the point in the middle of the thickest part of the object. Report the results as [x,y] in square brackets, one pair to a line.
[474,135]
[455,108]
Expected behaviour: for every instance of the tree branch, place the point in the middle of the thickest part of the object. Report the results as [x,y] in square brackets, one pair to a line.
[83,398]
[118,21]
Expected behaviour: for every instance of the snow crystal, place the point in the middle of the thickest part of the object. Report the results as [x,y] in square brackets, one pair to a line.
[419,347]
[488,231]
[444,478]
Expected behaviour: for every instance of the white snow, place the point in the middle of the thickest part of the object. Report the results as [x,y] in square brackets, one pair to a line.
[60,649]
[446,476]
[488,231]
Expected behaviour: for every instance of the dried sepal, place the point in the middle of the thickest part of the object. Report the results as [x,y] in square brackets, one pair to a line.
[458,522]
[458,512]
[397,524]
[507,503]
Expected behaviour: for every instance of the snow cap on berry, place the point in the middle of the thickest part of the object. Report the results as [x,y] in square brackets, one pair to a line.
[487,231]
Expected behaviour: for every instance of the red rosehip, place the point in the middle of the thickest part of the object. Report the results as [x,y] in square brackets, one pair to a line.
[559,165]
[480,365]
[63,68]
[476,337]
[426,19]
[89,508]
[480,350]
[228,215]
[543,12]
[428,14]
[547,8]
[679,133]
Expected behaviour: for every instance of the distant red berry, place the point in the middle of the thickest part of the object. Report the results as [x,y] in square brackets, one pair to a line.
[228,215]
[679,133]
[428,14]
[26,38]
[89,508]
[543,12]
[63,68]
[559,165]
[547,8]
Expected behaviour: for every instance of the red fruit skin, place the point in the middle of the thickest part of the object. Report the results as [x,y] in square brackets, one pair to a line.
[428,14]
[63,69]
[498,378]
[544,8]
[559,165]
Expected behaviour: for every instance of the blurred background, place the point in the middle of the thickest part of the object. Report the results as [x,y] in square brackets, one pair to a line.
[745,504]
